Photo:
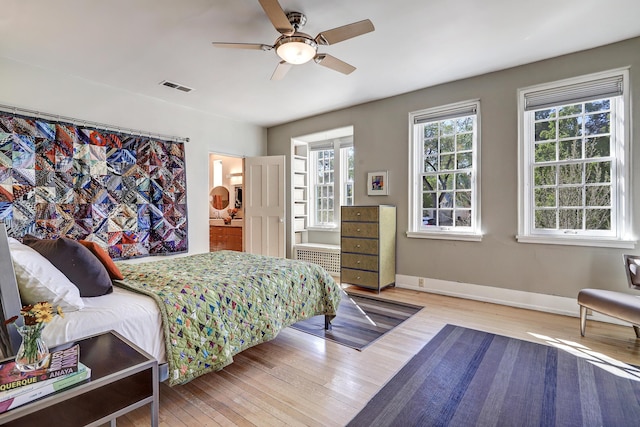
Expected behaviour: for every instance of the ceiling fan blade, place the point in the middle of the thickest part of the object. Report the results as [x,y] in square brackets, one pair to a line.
[254,46]
[277,16]
[334,63]
[345,32]
[281,70]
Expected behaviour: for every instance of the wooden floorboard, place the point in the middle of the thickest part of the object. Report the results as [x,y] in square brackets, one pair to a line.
[301,380]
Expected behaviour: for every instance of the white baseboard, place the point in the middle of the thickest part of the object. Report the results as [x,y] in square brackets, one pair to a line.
[529,300]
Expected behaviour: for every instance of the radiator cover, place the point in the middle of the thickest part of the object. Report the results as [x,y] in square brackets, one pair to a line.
[326,256]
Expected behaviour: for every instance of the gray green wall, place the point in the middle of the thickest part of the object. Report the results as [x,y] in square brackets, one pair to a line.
[381,143]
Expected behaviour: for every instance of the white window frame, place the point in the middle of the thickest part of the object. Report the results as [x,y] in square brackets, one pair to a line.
[579,89]
[416,229]
[339,170]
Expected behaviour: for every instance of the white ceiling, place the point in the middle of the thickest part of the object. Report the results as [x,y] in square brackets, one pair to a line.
[135,44]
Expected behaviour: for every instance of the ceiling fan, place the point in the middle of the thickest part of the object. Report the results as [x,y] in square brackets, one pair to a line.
[294,47]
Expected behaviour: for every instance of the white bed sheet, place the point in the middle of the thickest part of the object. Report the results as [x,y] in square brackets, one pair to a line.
[133,315]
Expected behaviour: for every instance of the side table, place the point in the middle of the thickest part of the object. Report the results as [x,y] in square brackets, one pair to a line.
[123,378]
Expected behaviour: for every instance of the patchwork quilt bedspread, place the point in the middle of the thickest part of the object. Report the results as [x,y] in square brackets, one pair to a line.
[217,304]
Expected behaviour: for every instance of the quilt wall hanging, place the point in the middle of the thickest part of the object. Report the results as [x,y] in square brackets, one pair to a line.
[126,192]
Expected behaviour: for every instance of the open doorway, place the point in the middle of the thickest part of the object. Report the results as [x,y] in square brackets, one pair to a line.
[226,209]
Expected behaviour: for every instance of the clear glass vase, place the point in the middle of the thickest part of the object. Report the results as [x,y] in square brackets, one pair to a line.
[33,353]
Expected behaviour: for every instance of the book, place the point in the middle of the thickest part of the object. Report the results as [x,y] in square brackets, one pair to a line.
[60,364]
[7,394]
[22,395]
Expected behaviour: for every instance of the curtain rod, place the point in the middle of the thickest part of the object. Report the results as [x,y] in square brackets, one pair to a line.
[58,118]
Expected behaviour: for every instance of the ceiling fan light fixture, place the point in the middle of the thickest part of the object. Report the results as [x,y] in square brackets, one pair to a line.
[296,50]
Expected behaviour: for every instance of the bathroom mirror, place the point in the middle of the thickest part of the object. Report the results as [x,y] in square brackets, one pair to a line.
[219,197]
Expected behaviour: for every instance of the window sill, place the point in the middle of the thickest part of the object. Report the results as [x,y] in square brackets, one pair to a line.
[468,237]
[327,229]
[578,241]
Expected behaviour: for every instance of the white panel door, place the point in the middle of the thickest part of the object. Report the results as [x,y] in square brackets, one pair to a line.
[265,205]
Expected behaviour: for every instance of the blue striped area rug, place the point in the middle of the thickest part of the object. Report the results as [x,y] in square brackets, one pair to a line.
[464,377]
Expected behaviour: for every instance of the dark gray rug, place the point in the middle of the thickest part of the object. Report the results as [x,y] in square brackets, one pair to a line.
[361,320]
[464,377]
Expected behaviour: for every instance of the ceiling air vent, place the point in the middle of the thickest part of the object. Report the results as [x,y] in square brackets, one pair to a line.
[177,86]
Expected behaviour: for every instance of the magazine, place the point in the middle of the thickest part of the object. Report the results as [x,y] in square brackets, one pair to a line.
[22,395]
[61,363]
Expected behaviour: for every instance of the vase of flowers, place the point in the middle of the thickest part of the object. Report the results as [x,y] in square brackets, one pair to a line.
[33,352]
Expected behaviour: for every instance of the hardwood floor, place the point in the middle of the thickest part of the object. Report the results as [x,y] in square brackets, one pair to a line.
[300,380]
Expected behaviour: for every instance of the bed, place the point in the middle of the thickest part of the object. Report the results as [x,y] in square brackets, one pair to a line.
[192,313]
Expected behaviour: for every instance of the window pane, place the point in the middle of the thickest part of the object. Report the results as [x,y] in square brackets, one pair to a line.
[445,181]
[463,218]
[545,219]
[546,152]
[569,110]
[464,142]
[447,127]
[463,181]
[545,197]
[445,217]
[570,219]
[598,172]
[447,162]
[429,182]
[545,131]
[445,200]
[428,217]
[544,114]
[570,196]
[571,149]
[603,104]
[429,200]
[597,123]
[597,147]
[430,147]
[570,128]
[464,124]
[598,219]
[431,130]
[598,195]
[463,199]
[431,163]
[545,175]
[570,174]
[447,144]
[464,160]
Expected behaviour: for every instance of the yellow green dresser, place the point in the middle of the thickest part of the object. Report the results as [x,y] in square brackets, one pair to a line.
[368,246]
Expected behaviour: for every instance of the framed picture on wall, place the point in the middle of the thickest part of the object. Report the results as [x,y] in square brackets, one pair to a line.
[378,183]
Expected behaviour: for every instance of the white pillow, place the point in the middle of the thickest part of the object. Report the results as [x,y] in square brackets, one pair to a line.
[39,280]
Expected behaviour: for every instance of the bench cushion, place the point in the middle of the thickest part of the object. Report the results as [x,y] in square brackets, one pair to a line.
[615,304]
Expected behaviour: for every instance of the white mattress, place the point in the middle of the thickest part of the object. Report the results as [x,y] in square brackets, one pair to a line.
[134,316]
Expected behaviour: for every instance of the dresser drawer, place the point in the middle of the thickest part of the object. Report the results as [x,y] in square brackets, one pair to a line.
[359,261]
[360,229]
[360,213]
[357,277]
[361,246]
